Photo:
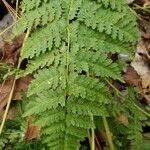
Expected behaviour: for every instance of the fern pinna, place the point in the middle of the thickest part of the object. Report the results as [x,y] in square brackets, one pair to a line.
[67,50]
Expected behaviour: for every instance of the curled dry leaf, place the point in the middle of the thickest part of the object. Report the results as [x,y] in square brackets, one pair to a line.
[12,50]
[21,86]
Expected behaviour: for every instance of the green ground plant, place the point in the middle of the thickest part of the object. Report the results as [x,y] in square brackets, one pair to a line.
[68,45]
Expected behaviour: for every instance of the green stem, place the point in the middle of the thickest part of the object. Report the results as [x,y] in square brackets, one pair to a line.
[92,139]
[143,111]
[117,91]
[89,137]
[141,8]
[108,133]
[134,12]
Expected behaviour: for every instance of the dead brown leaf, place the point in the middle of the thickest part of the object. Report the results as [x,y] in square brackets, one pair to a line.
[141,2]
[13,111]
[21,86]
[12,50]
[32,131]
[146,3]
[131,77]
[144,25]
[145,87]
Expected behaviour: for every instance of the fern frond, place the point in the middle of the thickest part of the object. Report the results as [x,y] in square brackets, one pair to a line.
[68,51]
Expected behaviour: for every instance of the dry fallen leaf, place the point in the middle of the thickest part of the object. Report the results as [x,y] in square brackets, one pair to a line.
[13,111]
[32,131]
[146,3]
[141,2]
[145,87]
[12,50]
[145,28]
[131,76]
[21,86]
[142,58]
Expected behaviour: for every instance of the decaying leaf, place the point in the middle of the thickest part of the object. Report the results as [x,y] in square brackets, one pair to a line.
[146,3]
[131,76]
[32,130]
[142,58]
[12,50]
[144,24]
[21,86]
[13,111]
[141,64]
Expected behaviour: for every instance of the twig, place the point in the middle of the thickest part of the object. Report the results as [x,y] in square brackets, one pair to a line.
[98,144]
[11,10]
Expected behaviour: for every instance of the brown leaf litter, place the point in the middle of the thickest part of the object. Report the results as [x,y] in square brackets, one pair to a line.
[32,130]
[11,51]
[21,86]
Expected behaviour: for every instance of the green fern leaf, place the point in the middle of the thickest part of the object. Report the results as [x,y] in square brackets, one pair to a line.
[67,50]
